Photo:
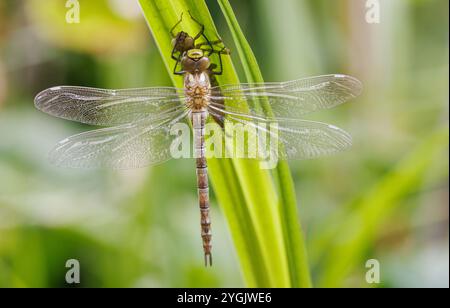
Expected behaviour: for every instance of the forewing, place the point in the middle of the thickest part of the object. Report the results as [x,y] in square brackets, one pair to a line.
[108,107]
[290,99]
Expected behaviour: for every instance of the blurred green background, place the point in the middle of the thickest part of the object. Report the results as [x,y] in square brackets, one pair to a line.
[386,199]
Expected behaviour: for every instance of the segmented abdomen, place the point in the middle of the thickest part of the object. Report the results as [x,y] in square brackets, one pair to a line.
[198,123]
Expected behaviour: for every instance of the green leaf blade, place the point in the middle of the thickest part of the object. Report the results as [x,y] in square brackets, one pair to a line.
[246,193]
[293,237]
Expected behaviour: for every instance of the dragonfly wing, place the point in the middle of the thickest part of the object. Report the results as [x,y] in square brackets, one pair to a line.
[290,99]
[122,147]
[108,107]
[288,139]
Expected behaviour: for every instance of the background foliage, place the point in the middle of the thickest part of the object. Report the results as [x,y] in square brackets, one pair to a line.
[386,199]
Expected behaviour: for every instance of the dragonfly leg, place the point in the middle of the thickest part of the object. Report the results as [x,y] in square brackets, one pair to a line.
[223,50]
[214,43]
[201,32]
[181,72]
[220,71]
[211,48]
[174,50]
[173,28]
[202,27]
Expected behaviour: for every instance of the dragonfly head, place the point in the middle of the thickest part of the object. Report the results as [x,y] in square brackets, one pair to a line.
[183,42]
[195,61]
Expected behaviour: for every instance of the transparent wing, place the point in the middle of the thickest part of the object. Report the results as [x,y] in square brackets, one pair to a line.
[287,138]
[122,147]
[290,99]
[108,107]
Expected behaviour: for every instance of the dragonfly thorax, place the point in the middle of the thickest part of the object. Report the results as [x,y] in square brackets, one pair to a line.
[195,62]
[197,90]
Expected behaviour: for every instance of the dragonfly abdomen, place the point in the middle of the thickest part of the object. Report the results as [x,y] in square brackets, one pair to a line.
[198,124]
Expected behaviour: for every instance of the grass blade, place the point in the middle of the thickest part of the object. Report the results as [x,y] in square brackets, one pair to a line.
[245,192]
[292,234]
[344,246]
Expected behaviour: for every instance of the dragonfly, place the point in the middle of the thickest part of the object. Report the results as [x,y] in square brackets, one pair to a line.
[137,123]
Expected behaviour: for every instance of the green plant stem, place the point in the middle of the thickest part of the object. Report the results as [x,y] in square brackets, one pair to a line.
[344,246]
[245,192]
[293,237]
